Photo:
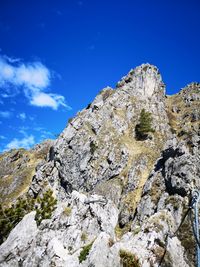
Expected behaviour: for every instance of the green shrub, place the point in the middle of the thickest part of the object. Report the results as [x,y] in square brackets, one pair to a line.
[85,252]
[182,132]
[128,259]
[70,120]
[173,130]
[47,204]
[144,127]
[10,217]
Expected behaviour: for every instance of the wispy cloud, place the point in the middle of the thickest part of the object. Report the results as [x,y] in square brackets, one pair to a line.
[43,132]
[5,114]
[8,94]
[2,137]
[22,116]
[25,142]
[49,100]
[34,78]
[11,59]
[23,130]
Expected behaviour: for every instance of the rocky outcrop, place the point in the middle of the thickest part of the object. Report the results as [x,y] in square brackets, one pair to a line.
[59,241]
[21,237]
[118,195]
[17,168]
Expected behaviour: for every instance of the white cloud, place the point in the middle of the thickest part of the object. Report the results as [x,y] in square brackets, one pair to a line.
[22,116]
[46,134]
[43,132]
[2,137]
[25,142]
[5,114]
[34,78]
[44,100]
[49,100]
[11,59]
[33,75]
[23,130]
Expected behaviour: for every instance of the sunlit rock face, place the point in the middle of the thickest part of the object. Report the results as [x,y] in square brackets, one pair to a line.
[17,168]
[119,197]
[143,81]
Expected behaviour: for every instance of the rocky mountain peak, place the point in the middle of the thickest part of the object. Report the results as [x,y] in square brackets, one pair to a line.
[143,81]
[191,92]
[120,198]
[194,86]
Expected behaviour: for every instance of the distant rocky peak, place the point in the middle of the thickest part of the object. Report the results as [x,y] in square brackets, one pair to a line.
[191,92]
[193,87]
[144,81]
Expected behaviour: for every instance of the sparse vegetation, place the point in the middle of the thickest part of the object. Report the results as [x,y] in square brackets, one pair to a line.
[70,120]
[93,147]
[67,211]
[136,230]
[17,168]
[128,259]
[11,216]
[145,125]
[120,231]
[45,205]
[85,252]
[84,236]
[106,93]
[182,133]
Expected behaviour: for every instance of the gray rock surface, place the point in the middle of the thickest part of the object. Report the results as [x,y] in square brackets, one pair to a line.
[116,192]
[22,238]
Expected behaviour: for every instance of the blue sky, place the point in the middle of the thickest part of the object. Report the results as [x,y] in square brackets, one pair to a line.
[55,56]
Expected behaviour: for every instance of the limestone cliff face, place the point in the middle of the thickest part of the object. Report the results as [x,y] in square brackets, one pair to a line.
[117,193]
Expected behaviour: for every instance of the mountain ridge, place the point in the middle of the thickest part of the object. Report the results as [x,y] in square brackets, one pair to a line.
[117,193]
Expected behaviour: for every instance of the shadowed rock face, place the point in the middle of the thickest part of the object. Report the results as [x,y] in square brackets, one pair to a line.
[116,192]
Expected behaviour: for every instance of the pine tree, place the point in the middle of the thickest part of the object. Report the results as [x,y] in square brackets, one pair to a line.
[11,216]
[144,127]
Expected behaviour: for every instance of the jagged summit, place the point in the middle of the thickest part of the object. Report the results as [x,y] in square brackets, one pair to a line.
[118,197]
[191,88]
[188,96]
[145,81]
[145,67]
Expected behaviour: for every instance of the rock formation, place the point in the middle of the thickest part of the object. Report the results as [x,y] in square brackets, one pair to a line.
[120,199]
